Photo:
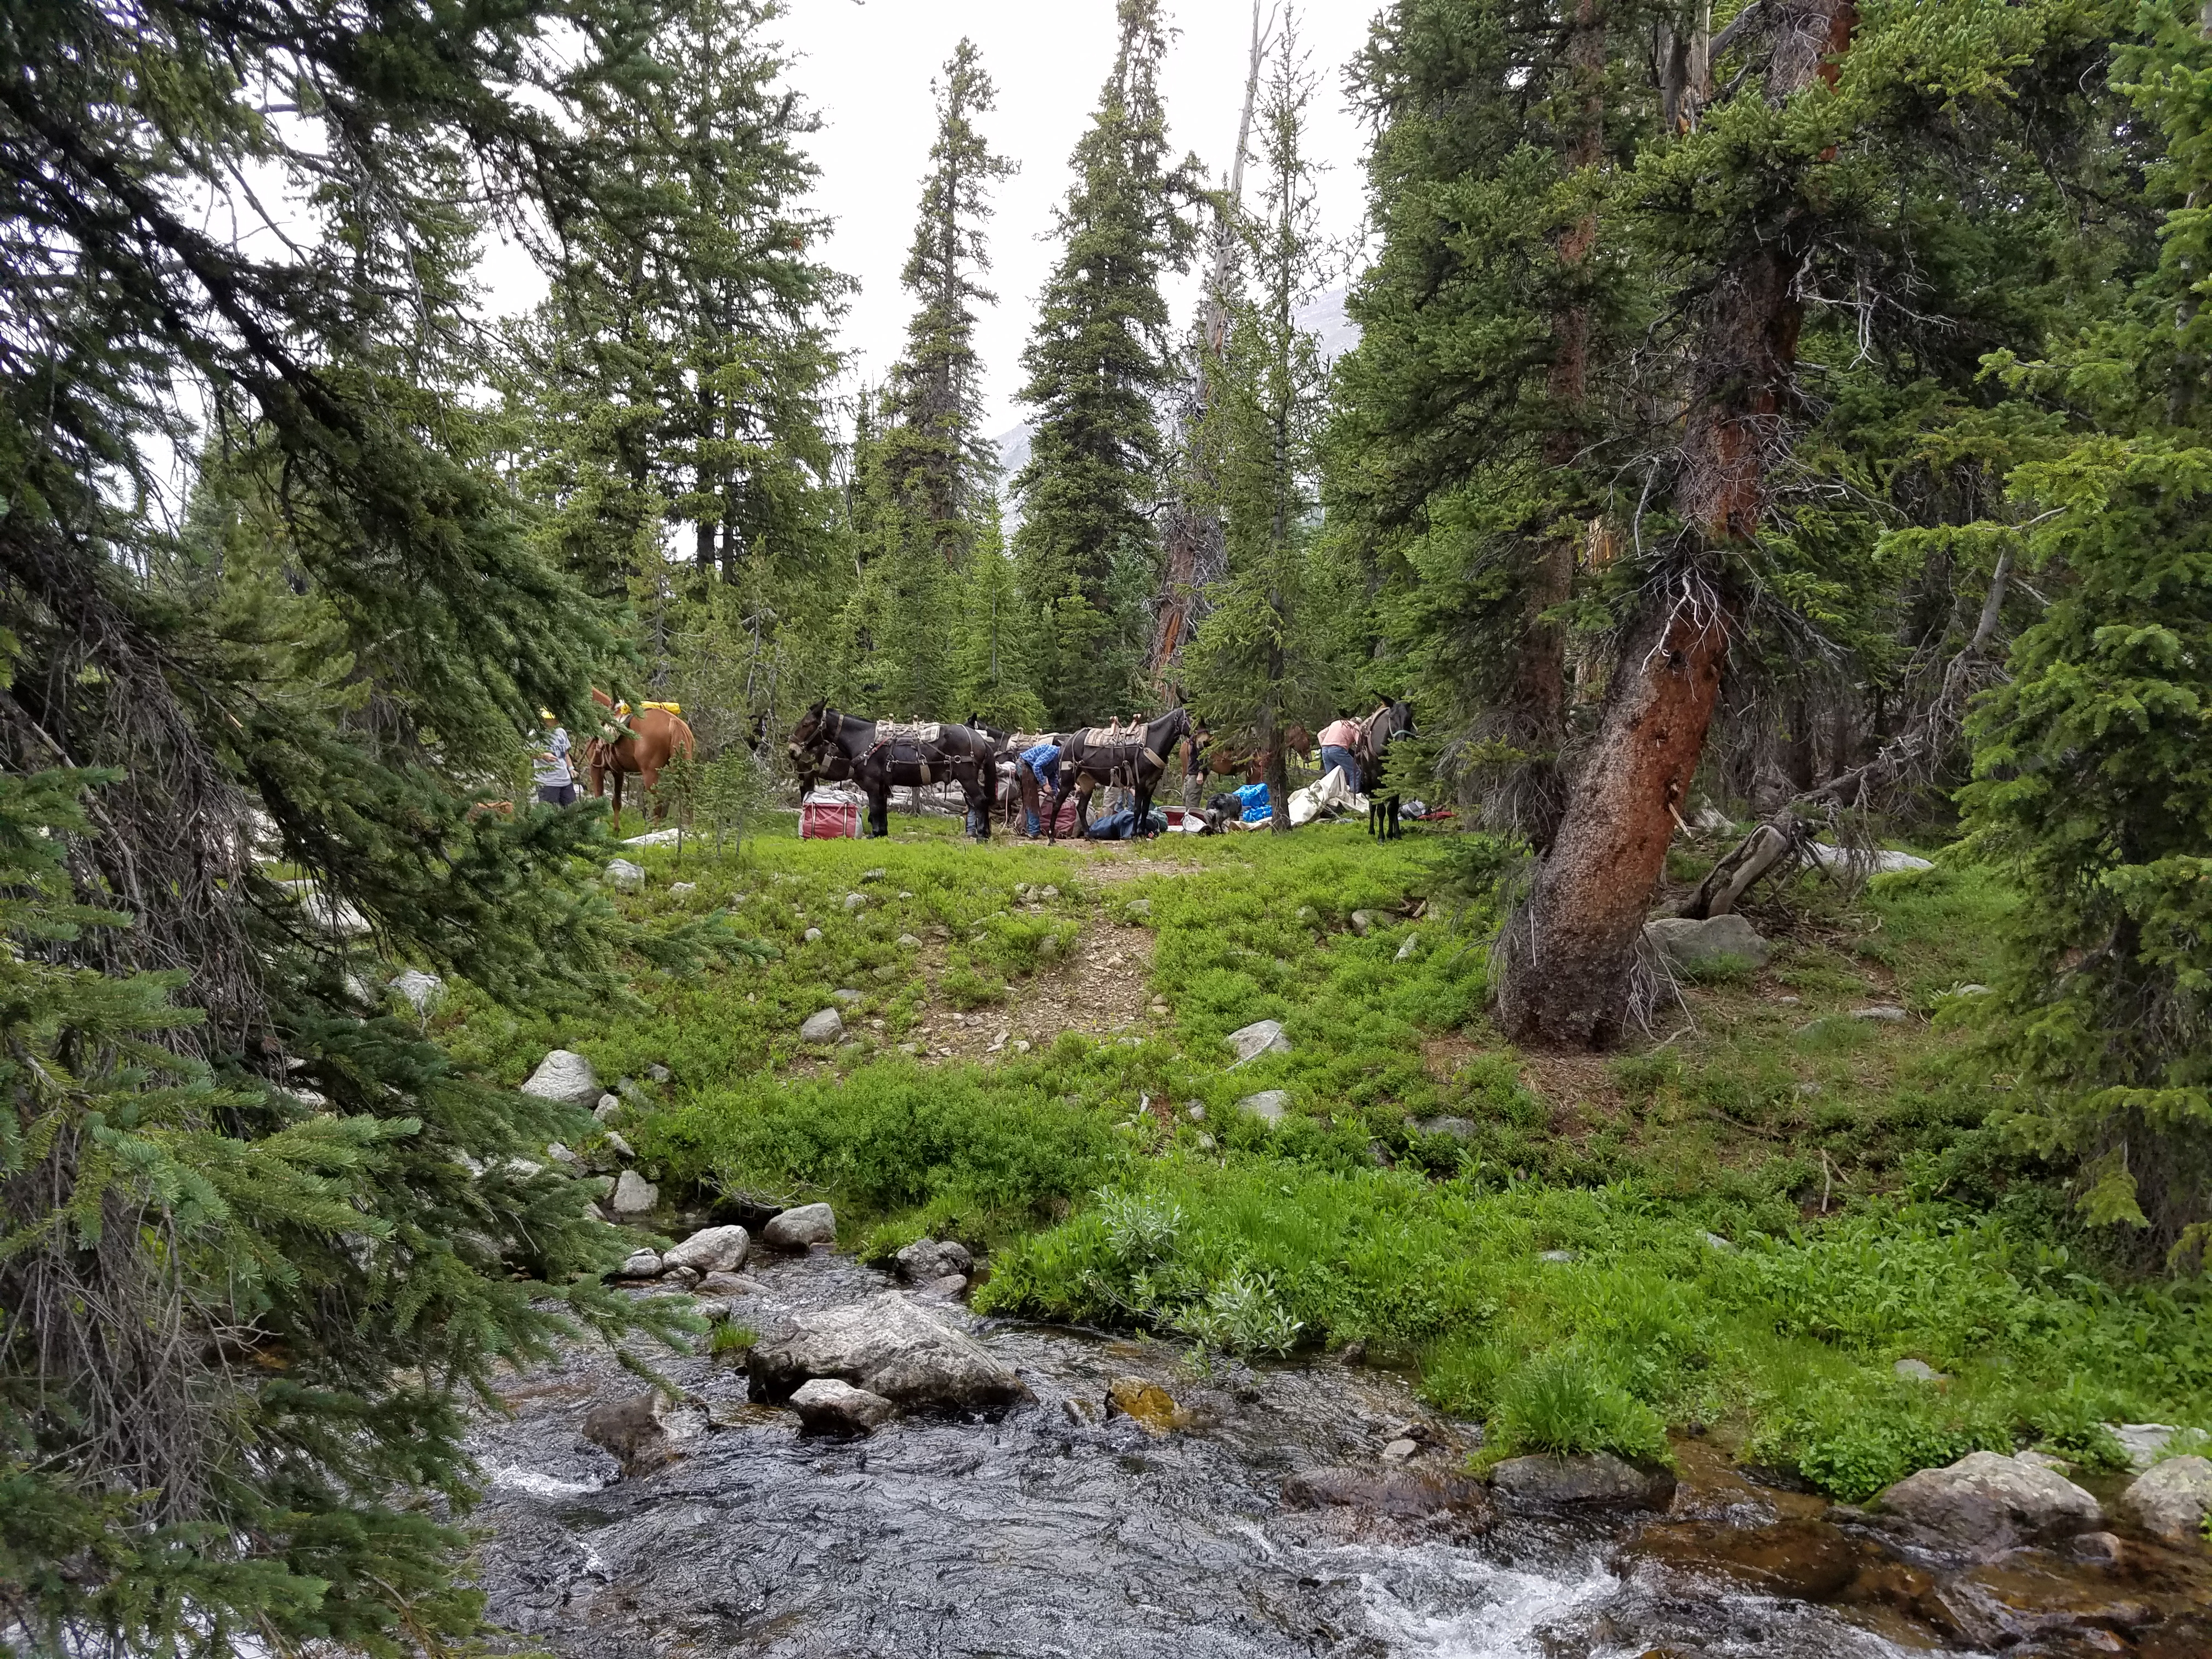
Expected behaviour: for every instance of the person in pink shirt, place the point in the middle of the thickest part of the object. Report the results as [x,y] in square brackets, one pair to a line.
[1339,748]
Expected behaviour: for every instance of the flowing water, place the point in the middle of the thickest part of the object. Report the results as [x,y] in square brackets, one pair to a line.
[1064,1530]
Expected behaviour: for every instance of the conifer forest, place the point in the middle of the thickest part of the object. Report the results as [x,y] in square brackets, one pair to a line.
[1700,1144]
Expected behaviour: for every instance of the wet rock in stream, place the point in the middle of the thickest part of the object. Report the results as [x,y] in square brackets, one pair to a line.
[1269,1526]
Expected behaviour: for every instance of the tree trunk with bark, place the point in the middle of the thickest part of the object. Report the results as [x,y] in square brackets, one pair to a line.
[1568,955]
[1536,706]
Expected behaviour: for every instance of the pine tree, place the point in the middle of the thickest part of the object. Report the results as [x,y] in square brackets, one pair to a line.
[1255,664]
[942,468]
[1097,361]
[249,1278]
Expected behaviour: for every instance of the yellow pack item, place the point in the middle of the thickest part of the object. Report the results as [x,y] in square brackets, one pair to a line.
[667,707]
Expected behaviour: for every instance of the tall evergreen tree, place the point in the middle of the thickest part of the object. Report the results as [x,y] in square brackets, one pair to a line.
[1098,363]
[2093,784]
[1257,662]
[681,368]
[260,1241]
[992,675]
[942,468]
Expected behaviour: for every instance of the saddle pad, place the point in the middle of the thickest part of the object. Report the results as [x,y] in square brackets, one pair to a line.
[1114,737]
[909,730]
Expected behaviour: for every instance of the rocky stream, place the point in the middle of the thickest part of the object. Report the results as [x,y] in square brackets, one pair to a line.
[1122,1505]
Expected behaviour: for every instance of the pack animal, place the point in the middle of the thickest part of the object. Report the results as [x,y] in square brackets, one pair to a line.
[638,745]
[881,755]
[1132,755]
[1377,732]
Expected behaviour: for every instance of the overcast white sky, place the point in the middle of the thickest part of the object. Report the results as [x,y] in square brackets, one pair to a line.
[866,69]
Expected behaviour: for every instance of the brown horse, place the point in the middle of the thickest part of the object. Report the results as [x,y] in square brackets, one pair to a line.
[643,742]
[1231,756]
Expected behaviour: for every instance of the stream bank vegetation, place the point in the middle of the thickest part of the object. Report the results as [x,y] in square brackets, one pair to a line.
[1738,1226]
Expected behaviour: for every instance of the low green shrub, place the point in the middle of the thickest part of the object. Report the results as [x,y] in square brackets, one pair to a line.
[1852,1437]
[1563,1403]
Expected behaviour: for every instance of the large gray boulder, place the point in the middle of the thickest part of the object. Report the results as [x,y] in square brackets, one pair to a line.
[796,1229]
[824,1028]
[1262,1036]
[890,1347]
[1579,1479]
[621,874]
[1686,944]
[1986,1502]
[564,1076]
[2172,1500]
[712,1250]
[635,1428]
[929,1260]
[826,1406]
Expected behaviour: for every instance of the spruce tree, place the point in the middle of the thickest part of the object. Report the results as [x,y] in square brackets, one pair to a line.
[1256,663]
[673,391]
[992,675]
[1098,363]
[941,468]
[260,1241]
[2093,784]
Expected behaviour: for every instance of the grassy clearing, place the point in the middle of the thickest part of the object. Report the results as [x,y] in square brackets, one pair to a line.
[1742,1226]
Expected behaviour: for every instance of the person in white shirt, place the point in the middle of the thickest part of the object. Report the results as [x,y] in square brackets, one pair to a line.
[548,767]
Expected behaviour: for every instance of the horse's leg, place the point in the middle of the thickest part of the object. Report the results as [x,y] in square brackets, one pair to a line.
[1144,808]
[619,783]
[1084,788]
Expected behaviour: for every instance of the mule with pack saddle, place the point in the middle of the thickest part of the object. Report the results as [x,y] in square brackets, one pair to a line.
[880,755]
[1132,757]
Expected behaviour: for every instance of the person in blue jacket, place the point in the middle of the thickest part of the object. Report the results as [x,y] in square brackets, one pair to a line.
[1036,770]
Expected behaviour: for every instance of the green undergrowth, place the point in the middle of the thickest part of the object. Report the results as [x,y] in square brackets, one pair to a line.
[1764,1205]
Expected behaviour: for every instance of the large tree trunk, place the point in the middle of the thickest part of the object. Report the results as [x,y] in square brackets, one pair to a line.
[1569,950]
[1568,955]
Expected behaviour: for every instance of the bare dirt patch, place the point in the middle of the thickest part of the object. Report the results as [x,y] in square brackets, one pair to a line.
[1098,991]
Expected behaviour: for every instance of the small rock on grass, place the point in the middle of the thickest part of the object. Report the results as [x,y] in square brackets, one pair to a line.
[1405,950]
[683,889]
[854,901]
[607,1107]
[564,1076]
[1555,1255]
[909,942]
[2172,1500]
[826,1406]
[1882,1011]
[1918,1371]
[422,990]
[1262,1036]
[629,877]
[1459,1128]
[1141,909]
[845,999]
[812,935]
[1686,942]
[796,1229]
[634,1195]
[658,1072]
[1269,1105]
[1362,922]
[822,1029]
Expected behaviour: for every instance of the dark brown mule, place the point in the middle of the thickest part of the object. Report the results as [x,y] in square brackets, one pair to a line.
[1135,756]
[1377,731]
[641,743]
[884,756]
